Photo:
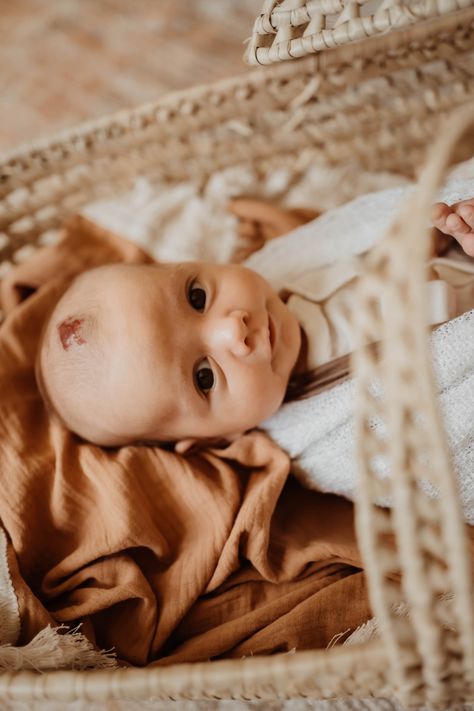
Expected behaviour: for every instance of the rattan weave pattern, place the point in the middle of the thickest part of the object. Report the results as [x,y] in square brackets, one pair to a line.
[373,104]
[324,675]
[430,550]
[289,29]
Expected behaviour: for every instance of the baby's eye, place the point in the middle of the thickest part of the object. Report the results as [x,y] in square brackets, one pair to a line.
[197,296]
[204,376]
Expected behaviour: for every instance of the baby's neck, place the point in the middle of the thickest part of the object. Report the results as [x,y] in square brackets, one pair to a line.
[301,365]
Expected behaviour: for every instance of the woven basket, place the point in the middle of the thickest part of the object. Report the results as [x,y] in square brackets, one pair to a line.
[287,29]
[371,104]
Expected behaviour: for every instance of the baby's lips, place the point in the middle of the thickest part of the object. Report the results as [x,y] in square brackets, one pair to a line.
[272,332]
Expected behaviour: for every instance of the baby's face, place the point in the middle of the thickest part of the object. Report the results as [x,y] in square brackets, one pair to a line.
[195,350]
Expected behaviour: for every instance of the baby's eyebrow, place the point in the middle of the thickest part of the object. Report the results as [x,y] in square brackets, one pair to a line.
[171,293]
[180,276]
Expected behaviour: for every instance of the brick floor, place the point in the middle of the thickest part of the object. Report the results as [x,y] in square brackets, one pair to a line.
[65,61]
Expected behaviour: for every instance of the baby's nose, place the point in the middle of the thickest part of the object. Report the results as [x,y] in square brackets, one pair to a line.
[231,332]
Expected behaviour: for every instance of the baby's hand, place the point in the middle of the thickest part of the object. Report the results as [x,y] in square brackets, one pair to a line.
[456,221]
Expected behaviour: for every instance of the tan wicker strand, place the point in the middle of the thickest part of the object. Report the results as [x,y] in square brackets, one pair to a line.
[305,674]
[369,518]
[386,153]
[446,656]
[367,101]
[280,34]
[30,228]
[392,110]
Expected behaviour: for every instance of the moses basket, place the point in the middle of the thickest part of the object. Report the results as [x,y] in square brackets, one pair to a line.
[372,88]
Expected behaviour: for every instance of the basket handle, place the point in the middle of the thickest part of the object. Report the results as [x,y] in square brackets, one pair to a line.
[415,552]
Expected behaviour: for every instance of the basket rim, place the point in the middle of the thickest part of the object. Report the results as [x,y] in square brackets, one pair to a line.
[369,50]
[309,673]
[290,49]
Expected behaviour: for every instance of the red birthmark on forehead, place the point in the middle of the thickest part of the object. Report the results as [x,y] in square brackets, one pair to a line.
[70,332]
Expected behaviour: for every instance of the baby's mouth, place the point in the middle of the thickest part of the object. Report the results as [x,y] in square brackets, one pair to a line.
[271,331]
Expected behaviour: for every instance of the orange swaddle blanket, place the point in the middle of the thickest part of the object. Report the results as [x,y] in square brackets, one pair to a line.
[164,558]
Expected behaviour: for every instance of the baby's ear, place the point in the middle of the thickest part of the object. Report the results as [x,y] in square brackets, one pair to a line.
[184,445]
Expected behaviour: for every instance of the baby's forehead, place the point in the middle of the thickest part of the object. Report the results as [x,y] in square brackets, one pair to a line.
[99,301]
[115,284]
[113,275]
[135,305]
[129,297]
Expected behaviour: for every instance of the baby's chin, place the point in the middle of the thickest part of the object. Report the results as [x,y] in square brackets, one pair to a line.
[266,409]
[91,432]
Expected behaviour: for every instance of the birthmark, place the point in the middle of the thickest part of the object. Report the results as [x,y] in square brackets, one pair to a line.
[70,333]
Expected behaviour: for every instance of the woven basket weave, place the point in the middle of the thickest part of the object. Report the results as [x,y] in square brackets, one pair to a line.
[374,104]
[288,29]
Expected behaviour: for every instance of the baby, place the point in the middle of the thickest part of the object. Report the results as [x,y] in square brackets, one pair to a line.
[167,353]
[180,353]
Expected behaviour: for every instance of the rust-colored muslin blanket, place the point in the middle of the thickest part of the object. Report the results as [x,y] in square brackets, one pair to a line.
[162,557]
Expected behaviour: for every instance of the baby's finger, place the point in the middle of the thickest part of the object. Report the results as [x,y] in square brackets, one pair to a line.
[462,233]
[456,226]
[466,212]
[467,243]
[439,214]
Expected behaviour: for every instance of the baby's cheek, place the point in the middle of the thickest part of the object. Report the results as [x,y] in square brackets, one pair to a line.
[257,393]
[266,395]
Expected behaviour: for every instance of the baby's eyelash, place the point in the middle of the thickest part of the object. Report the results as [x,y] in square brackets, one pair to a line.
[196,296]
[204,377]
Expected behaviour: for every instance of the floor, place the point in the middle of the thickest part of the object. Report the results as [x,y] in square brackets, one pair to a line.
[65,61]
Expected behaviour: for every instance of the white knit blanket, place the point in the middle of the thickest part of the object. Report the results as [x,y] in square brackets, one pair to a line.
[318,433]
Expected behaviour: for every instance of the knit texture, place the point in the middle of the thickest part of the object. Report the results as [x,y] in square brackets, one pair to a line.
[318,433]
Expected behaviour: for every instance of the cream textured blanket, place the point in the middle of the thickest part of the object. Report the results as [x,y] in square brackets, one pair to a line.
[318,433]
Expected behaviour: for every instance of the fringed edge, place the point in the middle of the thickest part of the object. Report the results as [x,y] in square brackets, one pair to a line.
[56,648]
[363,633]
[370,629]
[53,647]
[9,612]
